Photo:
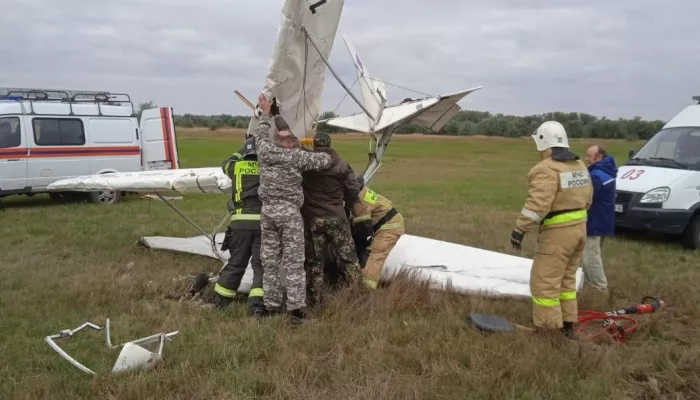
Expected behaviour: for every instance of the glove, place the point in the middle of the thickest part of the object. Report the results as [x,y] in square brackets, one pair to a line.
[230,207]
[516,239]
[361,234]
[362,257]
[274,108]
[226,243]
[257,113]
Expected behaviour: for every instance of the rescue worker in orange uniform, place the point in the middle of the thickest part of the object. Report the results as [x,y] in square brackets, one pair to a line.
[559,197]
[377,226]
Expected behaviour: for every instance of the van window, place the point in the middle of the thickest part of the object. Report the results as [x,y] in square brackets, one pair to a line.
[58,132]
[111,131]
[10,135]
[672,148]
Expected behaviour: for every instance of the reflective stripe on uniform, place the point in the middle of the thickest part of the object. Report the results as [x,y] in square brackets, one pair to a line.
[371,196]
[245,217]
[370,283]
[566,217]
[567,295]
[256,292]
[544,302]
[531,214]
[362,218]
[222,291]
[239,185]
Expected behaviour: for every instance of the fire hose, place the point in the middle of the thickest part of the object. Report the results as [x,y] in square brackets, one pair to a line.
[618,324]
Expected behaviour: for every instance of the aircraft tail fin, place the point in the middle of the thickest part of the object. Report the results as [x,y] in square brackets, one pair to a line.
[373,91]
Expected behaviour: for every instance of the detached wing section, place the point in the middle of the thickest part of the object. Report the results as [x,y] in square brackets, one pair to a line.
[194,180]
[296,72]
[432,113]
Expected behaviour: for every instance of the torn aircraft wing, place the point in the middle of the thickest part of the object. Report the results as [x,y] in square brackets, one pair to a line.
[432,113]
[296,73]
[446,266]
[193,180]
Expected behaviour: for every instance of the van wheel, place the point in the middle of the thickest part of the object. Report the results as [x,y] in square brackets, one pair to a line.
[106,197]
[691,236]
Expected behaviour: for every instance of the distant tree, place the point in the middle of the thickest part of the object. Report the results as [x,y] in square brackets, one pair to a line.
[146,105]
[215,123]
[323,127]
[470,122]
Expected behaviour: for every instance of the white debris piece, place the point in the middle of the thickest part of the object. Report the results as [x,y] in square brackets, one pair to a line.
[132,355]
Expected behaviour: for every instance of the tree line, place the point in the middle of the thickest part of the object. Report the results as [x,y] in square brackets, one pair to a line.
[468,123]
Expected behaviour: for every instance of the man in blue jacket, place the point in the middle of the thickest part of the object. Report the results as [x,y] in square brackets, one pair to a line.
[601,215]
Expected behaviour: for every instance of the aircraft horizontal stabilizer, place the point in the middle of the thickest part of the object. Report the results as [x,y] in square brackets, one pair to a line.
[431,113]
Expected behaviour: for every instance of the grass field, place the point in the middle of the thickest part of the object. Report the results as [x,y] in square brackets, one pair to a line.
[64,264]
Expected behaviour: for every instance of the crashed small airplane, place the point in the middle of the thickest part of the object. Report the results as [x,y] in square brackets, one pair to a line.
[296,79]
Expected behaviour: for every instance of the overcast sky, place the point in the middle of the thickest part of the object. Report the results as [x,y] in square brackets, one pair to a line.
[614,58]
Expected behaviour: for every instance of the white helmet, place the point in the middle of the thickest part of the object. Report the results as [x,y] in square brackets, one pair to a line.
[550,134]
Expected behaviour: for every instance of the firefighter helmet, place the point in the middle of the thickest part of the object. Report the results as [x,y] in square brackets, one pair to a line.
[550,134]
[249,148]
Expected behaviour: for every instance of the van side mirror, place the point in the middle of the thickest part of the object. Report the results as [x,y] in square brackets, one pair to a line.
[630,154]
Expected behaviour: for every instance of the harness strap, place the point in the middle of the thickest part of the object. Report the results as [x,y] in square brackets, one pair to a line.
[387,217]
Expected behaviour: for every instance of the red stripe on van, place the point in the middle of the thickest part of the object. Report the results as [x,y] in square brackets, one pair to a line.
[15,152]
[171,138]
[75,151]
[165,128]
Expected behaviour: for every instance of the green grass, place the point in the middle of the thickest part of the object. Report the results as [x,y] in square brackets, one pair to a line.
[64,264]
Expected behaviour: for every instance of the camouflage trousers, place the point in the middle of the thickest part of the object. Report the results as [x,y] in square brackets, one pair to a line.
[282,248]
[319,233]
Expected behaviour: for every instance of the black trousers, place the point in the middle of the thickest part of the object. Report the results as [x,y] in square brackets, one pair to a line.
[243,244]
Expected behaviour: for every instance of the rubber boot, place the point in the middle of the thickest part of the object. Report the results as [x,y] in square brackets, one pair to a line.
[568,330]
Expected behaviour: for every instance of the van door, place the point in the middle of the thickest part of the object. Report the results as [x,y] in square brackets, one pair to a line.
[158,139]
[13,155]
[57,150]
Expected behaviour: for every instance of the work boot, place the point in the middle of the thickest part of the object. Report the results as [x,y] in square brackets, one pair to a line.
[256,310]
[270,312]
[222,302]
[568,330]
[297,317]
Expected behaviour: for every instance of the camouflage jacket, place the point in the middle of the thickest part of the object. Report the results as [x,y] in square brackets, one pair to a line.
[281,169]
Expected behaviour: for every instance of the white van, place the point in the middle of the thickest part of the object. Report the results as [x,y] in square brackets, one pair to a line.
[658,188]
[47,135]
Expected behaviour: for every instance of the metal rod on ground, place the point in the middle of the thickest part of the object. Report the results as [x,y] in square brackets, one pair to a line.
[49,340]
[69,333]
[213,238]
[308,37]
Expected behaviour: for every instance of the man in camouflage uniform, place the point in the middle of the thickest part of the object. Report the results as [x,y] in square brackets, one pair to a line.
[327,193]
[282,161]
[243,236]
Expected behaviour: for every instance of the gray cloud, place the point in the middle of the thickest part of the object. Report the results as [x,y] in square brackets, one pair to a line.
[618,59]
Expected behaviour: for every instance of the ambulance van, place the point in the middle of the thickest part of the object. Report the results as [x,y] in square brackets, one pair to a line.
[47,135]
[658,188]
